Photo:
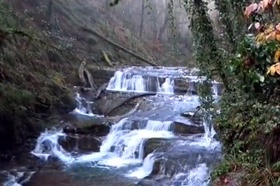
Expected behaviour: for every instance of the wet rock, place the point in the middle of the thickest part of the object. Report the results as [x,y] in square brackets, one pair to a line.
[159,182]
[181,159]
[196,119]
[80,143]
[98,130]
[51,177]
[186,128]
[155,143]
[82,125]
[181,90]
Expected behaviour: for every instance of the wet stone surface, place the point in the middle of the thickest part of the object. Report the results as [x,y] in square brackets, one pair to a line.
[186,128]
[80,143]
[86,125]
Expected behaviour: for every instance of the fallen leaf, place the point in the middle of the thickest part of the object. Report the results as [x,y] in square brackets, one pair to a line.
[277,56]
[251,9]
[277,27]
[274,69]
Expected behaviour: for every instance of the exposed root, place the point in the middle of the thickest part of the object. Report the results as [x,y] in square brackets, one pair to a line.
[81,71]
[100,90]
[106,58]
[90,79]
[85,76]
[127,100]
[126,114]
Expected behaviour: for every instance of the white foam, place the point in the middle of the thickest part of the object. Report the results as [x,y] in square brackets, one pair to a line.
[126,80]
[145,169]
[47,145]
[126,143]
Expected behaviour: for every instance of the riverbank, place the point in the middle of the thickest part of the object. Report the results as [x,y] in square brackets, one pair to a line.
[33,84]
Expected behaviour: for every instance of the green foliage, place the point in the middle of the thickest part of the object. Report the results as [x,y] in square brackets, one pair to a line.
[249,113]
[250,110]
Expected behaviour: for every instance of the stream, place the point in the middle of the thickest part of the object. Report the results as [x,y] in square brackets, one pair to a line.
[159,144]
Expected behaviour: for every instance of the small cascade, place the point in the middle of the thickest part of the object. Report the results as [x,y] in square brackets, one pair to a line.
[130,81]
[121,144]
[145,169]
[167,86]
[127,144]
[83,106]
[18,177]
[198,176]
[47,145]
[163,81]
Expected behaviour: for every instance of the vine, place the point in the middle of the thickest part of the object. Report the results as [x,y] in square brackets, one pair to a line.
[170,7]
[208,56]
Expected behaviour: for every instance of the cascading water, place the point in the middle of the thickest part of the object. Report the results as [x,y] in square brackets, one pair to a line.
[155,80]
[127,81]
[128,148]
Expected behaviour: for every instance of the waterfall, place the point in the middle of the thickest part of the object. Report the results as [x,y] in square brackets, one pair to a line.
[123,148]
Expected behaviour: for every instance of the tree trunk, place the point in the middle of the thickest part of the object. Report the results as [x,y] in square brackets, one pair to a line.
[163,28]
[142,18]
[154,17]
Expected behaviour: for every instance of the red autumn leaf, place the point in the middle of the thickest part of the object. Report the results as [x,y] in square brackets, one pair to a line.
[251,9]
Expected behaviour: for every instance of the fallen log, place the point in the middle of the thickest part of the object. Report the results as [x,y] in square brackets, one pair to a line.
[118,46]
[127,100]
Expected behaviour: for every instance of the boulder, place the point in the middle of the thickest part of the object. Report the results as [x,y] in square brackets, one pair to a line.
[186,128]
[80,143]
[86,125]
[152,144]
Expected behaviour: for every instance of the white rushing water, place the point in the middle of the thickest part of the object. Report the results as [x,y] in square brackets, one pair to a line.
[124,145]
[155,80]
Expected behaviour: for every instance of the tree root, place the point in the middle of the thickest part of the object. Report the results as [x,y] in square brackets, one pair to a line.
[85,76]
[126,114]
[127,100]
[100,91]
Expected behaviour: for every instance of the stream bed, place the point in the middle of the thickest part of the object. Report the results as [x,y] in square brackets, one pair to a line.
[156,145]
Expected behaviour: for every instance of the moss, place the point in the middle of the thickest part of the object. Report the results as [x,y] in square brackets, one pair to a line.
[15,100]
